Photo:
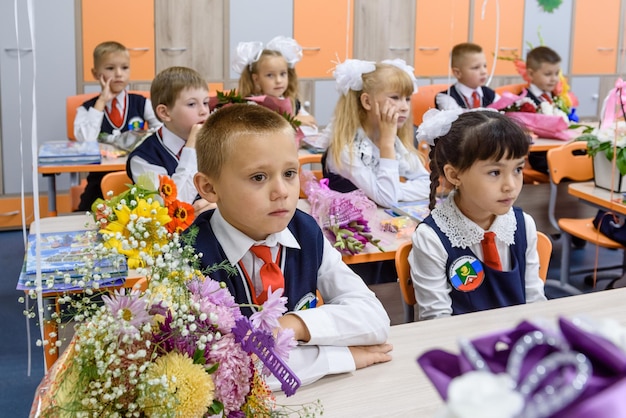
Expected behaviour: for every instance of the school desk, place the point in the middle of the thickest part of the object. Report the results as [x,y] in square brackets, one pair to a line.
[597,196]
[399,388]
[51,171]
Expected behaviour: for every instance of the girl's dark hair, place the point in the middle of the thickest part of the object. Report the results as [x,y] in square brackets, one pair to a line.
[476,136]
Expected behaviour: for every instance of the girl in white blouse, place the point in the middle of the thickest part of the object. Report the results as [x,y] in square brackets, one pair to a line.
[372,144]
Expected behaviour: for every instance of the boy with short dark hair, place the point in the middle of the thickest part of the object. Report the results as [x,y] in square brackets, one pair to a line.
[248,166]
[469,67]
[543,66]
[112,111]
[180,98]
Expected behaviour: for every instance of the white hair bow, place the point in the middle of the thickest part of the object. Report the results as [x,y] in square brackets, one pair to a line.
[348,74]
[401,64]
[248,53]
[288,47]
[436,123]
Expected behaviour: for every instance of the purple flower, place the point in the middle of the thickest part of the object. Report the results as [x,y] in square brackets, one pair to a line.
[284,342]
[274,307]
[130,309]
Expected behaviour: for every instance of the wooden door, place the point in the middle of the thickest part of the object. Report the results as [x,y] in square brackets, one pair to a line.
[190,33]
[384,29]
[439,25]
[324,30]
[128,22]
[595,36]
[508,35]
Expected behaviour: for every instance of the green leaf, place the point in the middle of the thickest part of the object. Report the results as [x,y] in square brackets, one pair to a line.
[216,407]
[213,368]
[549,6]
[198,357]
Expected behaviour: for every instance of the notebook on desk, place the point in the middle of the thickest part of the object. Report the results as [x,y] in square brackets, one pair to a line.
[69,152]
[417,210]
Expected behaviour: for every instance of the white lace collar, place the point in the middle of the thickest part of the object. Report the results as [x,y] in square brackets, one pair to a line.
[462,232]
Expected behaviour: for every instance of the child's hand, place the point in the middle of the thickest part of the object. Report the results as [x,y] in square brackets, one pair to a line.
[202,205]
[105,95]
[193,133]
[366,355]
[387,117]
[306,120]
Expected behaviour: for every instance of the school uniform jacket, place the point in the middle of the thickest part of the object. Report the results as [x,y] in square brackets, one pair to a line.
[134,110]
[487,98]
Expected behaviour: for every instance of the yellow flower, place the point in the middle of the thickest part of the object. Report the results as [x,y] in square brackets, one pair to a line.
[144,223]
[189,384]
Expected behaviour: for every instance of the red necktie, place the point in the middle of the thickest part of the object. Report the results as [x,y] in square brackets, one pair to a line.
[546,97]
[490,252]
[475,100]
[114,114]
[270,272]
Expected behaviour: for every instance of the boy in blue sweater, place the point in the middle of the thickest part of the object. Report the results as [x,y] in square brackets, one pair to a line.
[248,166]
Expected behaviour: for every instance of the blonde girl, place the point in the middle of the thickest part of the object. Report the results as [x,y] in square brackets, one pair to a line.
[270,71]
[371,141]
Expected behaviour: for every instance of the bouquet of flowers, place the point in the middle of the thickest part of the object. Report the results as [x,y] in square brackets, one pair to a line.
[545,121]
[178,347]
[342,216]
[575,370]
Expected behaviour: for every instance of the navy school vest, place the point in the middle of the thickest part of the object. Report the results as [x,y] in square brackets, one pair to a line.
[154,151]
[134,111]
[476,286]
[301,266]
[488,96]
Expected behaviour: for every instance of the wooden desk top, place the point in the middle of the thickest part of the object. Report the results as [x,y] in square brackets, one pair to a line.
[399,388]
[107,164]
[602,198]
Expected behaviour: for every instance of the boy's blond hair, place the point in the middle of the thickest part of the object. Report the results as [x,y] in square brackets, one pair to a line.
[217,138]
[459,51]
[540,55]
[168,84]
[350,114]
[246,85]
[103,49]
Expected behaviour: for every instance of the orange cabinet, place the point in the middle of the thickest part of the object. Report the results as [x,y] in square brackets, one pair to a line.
[509,34]
[439,25]
[595,36]
[128,22]
[324,30]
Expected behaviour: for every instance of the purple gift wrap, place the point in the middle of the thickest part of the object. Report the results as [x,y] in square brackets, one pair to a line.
[571,372]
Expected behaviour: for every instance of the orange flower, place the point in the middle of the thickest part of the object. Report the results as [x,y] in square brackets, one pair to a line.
[167,190]
[182,215]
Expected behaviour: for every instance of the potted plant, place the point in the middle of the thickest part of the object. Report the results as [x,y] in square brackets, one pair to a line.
[604,145]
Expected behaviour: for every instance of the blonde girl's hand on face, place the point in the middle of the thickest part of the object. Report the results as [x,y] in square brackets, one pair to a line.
[387,117]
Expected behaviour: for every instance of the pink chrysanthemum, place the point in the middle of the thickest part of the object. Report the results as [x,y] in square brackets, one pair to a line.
[234,373]
[130,309]
[284,342]
[267,317]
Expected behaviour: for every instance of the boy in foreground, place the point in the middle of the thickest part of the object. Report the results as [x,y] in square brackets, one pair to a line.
[248,166]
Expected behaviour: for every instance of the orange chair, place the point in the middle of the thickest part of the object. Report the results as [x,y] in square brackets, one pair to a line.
[309,159]
[117,182]
[511,88]
[403,268]
[73,102]
[570,161]
[424,99]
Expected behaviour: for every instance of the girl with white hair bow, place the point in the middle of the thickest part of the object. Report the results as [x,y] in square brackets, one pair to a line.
[270,70]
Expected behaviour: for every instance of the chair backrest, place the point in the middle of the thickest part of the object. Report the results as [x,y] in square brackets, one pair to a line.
[511,88]
[544,248]
[308,159]
[424,99]
[570,161]
[116,182]
[73,102]
[404,273]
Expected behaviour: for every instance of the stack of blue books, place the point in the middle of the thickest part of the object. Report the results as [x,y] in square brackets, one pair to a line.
[69,152]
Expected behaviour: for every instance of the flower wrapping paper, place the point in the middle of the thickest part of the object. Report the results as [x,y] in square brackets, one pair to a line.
[602,397]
